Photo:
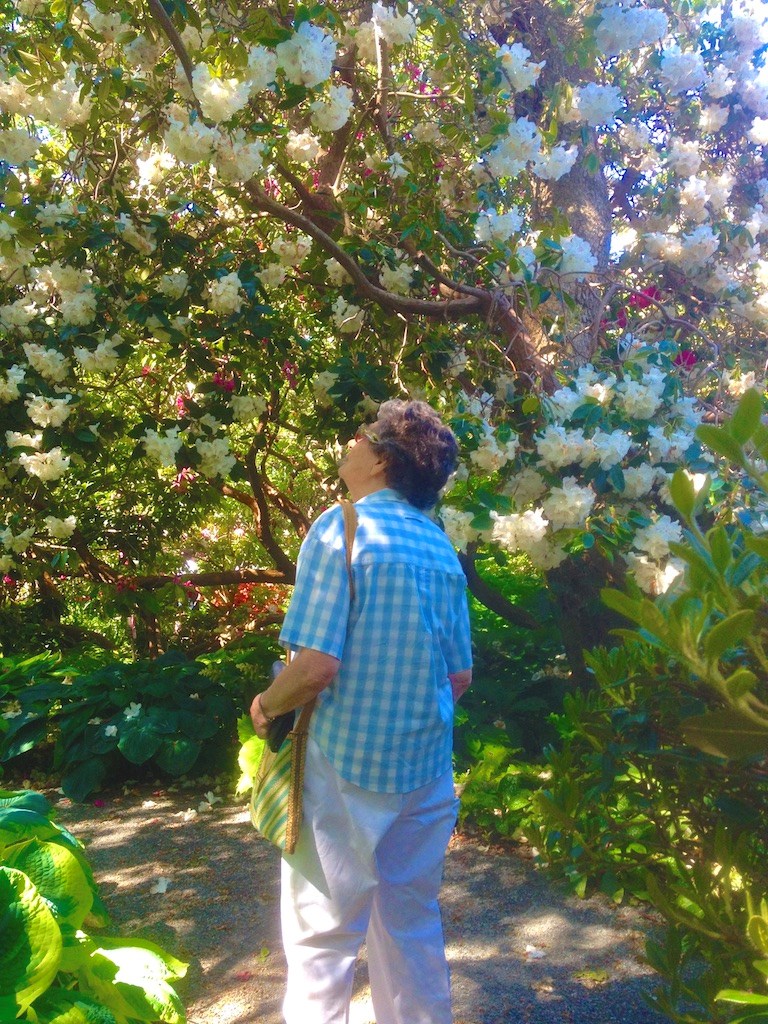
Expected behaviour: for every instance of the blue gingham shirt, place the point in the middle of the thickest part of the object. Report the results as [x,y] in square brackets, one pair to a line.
[386,721]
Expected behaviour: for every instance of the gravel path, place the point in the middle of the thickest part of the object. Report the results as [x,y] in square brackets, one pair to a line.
[520,949]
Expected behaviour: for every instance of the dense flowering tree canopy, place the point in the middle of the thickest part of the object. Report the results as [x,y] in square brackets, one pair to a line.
[228,231]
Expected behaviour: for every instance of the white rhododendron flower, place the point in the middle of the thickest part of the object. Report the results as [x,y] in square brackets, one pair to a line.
[17,146]
[215,457]
[347,317]
[332,113]
[262,68]
[17,439]
[321,384]
[525,487]
[49,363]
[651,577]
[9,385]
[46,466]
[18,543]
[458,526]
[247,408]
[568,506]
[336,274]
[681,72]
[292,249]
[655,539]
[520,531]
[521,72]
[191,142]
[303,147]
[139,237]
[398,279]
[174,284]
[48,412]
[307,57]
[628,28]
[758,133]
[578,259]
[610,448]
[220,98]
[638,481]
[397,29]
[273,275]
[558,162]
[162,448]
[60,529]
[595,104]
[103,359]
[491,454]
[224,294]
[521,146]
[558,447]
[498,227]
[397,166]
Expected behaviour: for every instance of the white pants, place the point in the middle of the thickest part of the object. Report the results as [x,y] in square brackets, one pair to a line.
[366,866]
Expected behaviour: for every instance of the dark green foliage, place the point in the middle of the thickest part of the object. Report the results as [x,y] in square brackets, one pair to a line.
[172,714]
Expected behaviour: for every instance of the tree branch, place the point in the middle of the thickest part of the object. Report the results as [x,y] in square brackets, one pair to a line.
[491,598]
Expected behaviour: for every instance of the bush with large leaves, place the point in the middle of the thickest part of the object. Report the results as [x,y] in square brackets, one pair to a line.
[173,713]
[51,970]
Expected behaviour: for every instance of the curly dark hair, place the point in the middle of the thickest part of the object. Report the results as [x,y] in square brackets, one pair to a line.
[419,451]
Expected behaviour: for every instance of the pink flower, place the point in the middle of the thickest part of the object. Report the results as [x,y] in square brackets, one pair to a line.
[686,359]
[644,298]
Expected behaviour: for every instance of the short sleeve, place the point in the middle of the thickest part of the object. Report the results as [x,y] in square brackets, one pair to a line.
[319,610]
[458,657]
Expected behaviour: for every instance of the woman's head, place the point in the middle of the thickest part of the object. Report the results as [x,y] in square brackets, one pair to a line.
[418,450]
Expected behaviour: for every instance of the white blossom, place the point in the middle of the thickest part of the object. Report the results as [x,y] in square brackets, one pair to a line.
[302,147]
[162,448]
[46,466]
[307,57]
[17,146]
[521,145]
[347,317]
[220,98]
[498,227]
[60,529]
[224,294]
[191,142]
[48,412]
[215,457]
[335,273]
[628,28]
[262,68]
[104,359]
[9,387]
[681,72]
[458,526]
[173,285]
[18,439]
[292,249]
[558,447]
[398,279]
[247,408]
[519,69]
[638,481]
[578,259]
[18,543]
[568,506]
[49,363]
[651,577]
[525,487]
[273,275]
[558,162]
[684,157]
[332,113]
[140,237]
[595,104]
[397,29]
[397,166]
[610,448]
[655,539]
[758,133]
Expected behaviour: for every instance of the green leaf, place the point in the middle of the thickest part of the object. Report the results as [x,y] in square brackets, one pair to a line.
[757,544]
[132,979]
[727,733]
[140,740]
[30,943]
[177,754]
[742,681]
[720,547]
[26,799]
[683,493]
[728,633]
[746,416]
[58,876]
[721,443]
[757,933]
[81,780]
[729,995]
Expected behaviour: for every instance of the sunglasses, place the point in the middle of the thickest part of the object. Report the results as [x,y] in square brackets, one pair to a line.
[365,434]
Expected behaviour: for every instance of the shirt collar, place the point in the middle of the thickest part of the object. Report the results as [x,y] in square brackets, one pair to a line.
[385,494]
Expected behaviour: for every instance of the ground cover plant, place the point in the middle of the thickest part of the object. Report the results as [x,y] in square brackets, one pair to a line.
[172,715]
[55,966]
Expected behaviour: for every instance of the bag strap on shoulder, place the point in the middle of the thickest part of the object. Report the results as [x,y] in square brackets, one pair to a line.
[350,528]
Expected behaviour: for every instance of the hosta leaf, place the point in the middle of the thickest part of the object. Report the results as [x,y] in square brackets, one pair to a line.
[728,733]
[58,876]
[58,1006]
[131,978]
[30,943]
[82,779]
[27,799]
[139,740]
[177,754]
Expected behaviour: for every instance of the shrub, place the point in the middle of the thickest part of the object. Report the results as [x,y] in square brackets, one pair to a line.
[53,971]
[171,714]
